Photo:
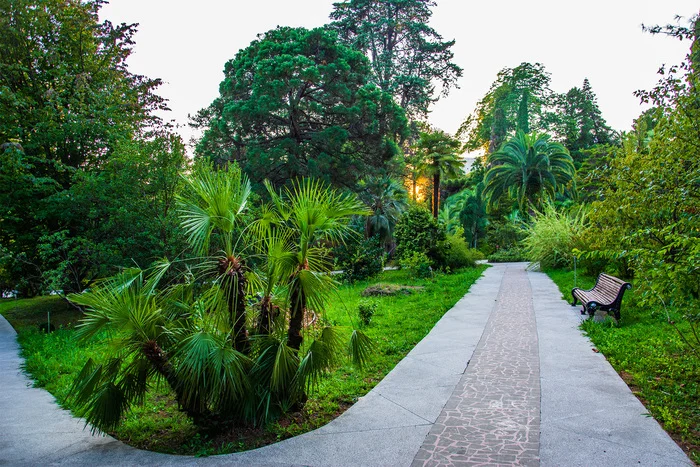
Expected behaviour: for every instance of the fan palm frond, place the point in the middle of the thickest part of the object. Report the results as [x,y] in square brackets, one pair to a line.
[530,168]
[361,348]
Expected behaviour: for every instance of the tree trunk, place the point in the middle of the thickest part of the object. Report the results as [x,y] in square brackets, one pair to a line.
[267,316]
[235,282]
[436,193]
[190,404]
[236,306]
[297,307]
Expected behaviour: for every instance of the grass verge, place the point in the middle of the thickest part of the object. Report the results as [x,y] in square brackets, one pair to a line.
[399,323]
[650,356]
[27,313]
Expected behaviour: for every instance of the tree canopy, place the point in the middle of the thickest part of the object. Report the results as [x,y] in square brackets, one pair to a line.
[406,54]
[582,121]
[67,95]
[67,101]
[519,99]
[295,103]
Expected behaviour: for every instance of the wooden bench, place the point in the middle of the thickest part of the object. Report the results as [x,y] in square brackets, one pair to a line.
[605,295]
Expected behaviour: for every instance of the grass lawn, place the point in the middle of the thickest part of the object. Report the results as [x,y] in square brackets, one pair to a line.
[399,323]
[650,356]
[27,313]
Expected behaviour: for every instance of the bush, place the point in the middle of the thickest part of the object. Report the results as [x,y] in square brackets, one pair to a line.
[365,310]
[503,234]
[360,259]
[552,235]
[454,252]
[418,264]
[418,232]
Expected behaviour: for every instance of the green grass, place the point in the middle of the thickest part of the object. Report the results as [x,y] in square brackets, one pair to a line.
[399,323]
[651,357]
[31,312]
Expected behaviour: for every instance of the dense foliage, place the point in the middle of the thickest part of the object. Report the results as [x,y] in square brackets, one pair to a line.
[454,252]
[296,102]
[407,56]
[194,330]
[649,205]
[552,237]
[418,232]
[360,258]
[68,107]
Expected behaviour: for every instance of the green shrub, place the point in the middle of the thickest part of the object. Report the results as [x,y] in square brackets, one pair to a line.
[365,310]
[552,235]
[360,259]
[454,252]
[418,264]
[477,255]
[503,234]
[418,232]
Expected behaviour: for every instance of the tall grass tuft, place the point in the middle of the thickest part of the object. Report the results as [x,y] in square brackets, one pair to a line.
[552,235]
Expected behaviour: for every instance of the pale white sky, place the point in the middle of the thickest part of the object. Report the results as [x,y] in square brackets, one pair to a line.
[186,43]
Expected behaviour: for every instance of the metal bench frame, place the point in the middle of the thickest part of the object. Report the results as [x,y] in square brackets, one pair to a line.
[605,295]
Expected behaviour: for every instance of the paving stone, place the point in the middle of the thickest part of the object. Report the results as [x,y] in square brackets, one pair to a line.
[492,417]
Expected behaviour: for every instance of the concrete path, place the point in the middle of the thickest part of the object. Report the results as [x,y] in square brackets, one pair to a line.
[504,378]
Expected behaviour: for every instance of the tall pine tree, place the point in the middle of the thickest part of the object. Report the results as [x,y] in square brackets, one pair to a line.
[406,54]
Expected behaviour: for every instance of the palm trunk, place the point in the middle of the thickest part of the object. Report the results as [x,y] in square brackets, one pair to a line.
[191,404]
[436,194]
[235,282]
[236,308]
[267,316]
[297,307]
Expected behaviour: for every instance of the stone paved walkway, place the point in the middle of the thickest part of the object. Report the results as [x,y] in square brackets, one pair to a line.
[493,416]
[504,378]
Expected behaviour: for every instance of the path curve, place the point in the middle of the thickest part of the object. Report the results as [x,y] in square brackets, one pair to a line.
[504,378]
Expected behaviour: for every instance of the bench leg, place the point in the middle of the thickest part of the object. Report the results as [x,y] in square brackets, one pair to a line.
[575,299]
[591,309]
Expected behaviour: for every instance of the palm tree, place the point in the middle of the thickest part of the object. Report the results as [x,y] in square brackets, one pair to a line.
[449,214]
[157,334]
[529,168]
[189,328]
[315,214]
[387,200]
[441,160]
[190,332]
[212,205]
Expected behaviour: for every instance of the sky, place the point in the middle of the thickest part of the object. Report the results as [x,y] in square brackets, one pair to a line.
[186,43]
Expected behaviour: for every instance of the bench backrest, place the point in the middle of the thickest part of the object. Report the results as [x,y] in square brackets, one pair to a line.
[611,286]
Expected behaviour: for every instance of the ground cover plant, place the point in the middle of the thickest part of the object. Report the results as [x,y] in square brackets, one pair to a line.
[399,322]
[652,358]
